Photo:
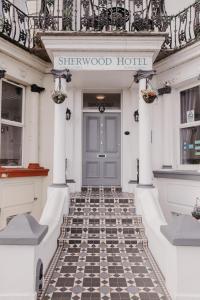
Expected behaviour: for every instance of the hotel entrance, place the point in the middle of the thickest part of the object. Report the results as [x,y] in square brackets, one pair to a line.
[101,140]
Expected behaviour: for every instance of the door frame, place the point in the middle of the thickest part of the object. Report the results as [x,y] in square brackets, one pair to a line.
[97,111]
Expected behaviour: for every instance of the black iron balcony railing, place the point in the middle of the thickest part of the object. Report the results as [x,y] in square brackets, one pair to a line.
[184,28]
[100,16]
[14,24]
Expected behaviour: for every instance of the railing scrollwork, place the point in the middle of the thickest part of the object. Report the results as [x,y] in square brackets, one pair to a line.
[100,16]
[14,24]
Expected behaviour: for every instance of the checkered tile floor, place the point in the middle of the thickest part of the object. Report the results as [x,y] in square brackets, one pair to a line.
[102,252]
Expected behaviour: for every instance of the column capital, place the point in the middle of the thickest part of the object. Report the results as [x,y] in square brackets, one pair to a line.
[142,74]
[65,73]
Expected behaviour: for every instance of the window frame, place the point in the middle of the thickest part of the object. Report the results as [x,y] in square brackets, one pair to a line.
[182,126]
[14,123]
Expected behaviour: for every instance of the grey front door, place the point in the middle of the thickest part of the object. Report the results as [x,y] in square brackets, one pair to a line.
[101,149]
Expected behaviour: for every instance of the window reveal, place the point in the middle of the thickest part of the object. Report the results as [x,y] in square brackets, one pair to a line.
[11,124]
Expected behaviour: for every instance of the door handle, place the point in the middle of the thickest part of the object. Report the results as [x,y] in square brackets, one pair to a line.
[101,155]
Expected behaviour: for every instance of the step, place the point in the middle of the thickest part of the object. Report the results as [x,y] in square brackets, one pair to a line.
[100,206]
[102,211]
[102,220]
[110,194]
[140,241]
[106,201]
[101,189]
[101,232]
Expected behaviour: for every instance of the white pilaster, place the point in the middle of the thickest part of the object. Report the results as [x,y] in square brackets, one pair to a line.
[145,145]
[145,131]
[59,139]
[34,134]
[167,131]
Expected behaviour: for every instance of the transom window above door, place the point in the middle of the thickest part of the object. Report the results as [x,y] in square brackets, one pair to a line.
[109,100]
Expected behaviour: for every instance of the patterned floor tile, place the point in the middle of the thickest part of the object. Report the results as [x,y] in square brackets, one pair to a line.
[103,252]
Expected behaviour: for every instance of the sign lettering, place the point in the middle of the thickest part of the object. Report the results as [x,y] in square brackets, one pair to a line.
[103,63]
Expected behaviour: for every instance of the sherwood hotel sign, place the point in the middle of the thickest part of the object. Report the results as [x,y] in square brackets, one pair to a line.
[103,63]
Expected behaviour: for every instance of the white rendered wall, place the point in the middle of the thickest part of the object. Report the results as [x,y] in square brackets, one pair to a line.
[178,196]
[26,69]
[181,71]
[21,285]
[129,142]
[20,195]
[180,266]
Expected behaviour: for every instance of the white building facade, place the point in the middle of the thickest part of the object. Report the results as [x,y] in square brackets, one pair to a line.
[101,58]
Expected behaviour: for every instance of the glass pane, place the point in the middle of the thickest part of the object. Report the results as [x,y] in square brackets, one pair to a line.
[190,105]
[190,145]
[11,145]
[111,101]
[11,102]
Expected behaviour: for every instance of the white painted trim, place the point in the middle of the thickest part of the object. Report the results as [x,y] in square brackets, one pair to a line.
[120,111]
[23,56]
[14,123]
[180,126]
[176,59]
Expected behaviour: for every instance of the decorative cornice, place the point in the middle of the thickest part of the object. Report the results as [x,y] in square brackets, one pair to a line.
[177,59]
[142,74]
[23,56]
[36,89]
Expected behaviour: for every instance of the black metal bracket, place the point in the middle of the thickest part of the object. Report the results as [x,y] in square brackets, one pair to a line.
[2,74]
[142,74]
[62,74]
[36,89]
[165,90]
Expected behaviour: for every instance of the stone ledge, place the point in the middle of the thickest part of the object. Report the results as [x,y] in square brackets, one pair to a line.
[177,174]
[184,230]
[23,230]
[107,33]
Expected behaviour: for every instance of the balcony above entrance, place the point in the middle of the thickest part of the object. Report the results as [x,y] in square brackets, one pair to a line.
[21,26]
[106,15]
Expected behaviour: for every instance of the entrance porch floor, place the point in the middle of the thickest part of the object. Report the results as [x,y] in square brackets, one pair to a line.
[103,252]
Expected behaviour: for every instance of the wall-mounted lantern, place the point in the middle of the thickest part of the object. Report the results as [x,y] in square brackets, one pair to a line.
[2,73]
[36,89]
[68,114]
[102,108]
[136,115]
[166,89]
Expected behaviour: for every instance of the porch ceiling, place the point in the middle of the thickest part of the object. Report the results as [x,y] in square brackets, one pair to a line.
[102,80]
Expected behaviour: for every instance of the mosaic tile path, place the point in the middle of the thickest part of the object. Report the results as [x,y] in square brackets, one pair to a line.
[103,252]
